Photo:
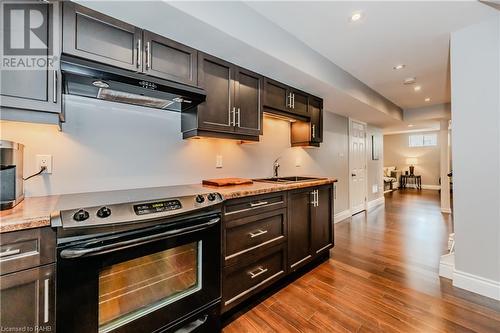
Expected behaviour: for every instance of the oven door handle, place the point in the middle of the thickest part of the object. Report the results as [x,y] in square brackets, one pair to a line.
[81,251]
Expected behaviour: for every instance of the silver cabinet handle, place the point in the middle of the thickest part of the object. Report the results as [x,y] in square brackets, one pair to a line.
[148,55]
[9,252]
[317,198]
[289,100]
[139,53]
[257,204]
[239,117]
[46,301]
[257,233]
[293,101]
[233,112]
[313,130]
[257,272]
[54,91]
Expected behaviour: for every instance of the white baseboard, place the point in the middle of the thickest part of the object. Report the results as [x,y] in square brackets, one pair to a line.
[477,284]
[447,265]
[374,203]
[342,216]
[431,187]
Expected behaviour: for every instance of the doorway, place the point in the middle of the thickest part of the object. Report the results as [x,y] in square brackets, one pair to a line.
[357,166]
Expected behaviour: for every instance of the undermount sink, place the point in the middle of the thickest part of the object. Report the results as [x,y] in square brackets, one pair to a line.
[294,179]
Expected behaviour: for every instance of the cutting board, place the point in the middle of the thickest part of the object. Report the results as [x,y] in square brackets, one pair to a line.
[227,181]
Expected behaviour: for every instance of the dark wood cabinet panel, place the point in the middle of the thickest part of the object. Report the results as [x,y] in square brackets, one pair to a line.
[26,249]
[251,206]
[95,36]
[248,101]
[321,221]
[299,103]
[309,133]
[276,95]
[216,76]
[259,270]
[316,114]
[169,60]
[38,90]
[28,299]
[247,234]
[299,225]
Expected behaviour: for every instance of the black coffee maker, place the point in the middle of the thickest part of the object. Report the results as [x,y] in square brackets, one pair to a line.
[11,174]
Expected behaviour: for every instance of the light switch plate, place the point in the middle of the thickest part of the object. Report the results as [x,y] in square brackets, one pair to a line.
[218,161]
[374,188]
[44,160]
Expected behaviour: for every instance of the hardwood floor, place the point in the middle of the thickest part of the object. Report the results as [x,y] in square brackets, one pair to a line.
[382,276]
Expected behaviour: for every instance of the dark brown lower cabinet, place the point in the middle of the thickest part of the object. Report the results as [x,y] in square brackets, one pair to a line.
[269,236]
[299,225]
[310,228]
[322,221]
[28,300]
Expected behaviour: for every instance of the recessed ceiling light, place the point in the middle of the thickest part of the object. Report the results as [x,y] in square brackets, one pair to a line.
[410,80]
[355,17]
[398,67]
[427,99]
[411,125]
[417,88]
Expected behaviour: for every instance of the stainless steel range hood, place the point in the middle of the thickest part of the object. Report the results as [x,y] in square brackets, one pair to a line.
[91,79]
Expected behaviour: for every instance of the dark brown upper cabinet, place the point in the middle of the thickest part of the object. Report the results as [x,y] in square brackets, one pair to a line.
[284,100]
[233,105]
[34,90]
[98,37]
[169,60]
[310,229]
[95,36]
[309,133]
[248,91]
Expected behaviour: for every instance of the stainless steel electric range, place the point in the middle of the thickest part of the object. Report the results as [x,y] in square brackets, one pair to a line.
[142,266]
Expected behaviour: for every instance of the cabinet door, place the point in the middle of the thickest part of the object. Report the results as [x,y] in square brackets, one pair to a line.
[169,60]
[321,221]
[276,95]
[32,89]
[95,36]
[248,91]
[216,76]
[316,113]
[299,225]
[299,103]
[28,299]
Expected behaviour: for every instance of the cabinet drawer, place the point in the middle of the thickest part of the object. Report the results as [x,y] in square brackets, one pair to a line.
[243,281]
[26,249]
[249,233]
[238,208]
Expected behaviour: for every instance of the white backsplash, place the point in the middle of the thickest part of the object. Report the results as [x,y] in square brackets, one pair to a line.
[107,146]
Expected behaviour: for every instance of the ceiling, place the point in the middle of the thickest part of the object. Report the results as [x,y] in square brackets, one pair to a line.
[416,34]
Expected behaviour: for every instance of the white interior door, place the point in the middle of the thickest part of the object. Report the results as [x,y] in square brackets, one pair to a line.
[357,166]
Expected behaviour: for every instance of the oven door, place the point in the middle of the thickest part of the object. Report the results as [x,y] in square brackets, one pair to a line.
[139,281]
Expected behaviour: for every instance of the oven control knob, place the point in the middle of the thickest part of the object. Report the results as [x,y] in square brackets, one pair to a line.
[200,198]
[212,196]
[81,215]
[103,212]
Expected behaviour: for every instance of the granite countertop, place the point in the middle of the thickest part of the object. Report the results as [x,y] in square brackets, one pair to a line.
[34,212]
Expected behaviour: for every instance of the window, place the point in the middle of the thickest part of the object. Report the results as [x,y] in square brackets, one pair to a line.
[422,140]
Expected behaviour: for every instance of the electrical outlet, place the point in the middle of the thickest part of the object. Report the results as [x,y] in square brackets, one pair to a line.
[44,161]
[218,161]
[298,162]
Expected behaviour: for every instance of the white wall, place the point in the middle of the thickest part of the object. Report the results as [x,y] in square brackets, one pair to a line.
[106,146]
[475,79]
